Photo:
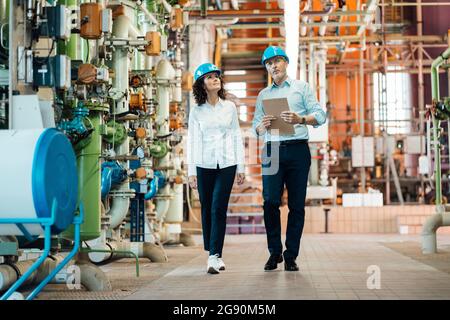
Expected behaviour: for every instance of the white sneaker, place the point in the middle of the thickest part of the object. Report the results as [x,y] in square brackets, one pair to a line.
[213,264]
[221,264]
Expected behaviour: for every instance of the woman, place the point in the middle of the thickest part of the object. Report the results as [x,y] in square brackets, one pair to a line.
[214,153]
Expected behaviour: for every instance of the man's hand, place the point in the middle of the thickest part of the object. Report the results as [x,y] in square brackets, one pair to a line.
[291,117]
[193,182]
[240,178]
[265,123]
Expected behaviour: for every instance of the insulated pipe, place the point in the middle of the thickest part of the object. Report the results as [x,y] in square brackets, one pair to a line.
[322,59]
[429,242]
[162,205]
[121,64]
[302,64]
[122,29]
[311,67]
[175,210]
[305,19]
[119,208]
[166,5]
[91,277]
[151,251]
[177,92]
[149,16]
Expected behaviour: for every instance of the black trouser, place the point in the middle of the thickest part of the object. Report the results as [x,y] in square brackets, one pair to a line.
[214,189]
[291,167]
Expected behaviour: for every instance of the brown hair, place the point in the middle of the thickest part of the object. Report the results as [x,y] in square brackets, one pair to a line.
[200,94]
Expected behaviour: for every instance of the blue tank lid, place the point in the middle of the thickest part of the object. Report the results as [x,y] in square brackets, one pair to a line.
[54,175]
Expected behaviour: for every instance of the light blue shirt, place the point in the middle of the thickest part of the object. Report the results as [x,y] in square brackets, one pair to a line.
[302,100]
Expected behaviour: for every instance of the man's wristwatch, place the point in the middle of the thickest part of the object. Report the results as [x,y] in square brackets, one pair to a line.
[302,120]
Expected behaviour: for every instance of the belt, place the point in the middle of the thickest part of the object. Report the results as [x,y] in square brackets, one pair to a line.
[289,142]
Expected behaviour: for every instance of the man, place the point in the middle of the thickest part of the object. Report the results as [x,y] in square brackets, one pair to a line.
[289,152]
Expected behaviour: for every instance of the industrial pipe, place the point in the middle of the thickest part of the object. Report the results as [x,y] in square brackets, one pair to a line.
[119,208]
[441,218]
[91,277]
[123,249]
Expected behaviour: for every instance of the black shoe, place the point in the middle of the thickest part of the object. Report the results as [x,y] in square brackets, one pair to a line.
[290,265]
[273,261]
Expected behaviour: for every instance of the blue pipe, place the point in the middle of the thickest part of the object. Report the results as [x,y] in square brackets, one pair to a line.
[158,181]
[106,181]
[112,174]
[47,236]
[77,221]
[153,189]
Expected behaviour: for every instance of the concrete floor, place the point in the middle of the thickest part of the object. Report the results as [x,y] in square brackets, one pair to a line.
[332,266]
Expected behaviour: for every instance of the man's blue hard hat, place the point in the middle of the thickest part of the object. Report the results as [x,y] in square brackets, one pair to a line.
[204,69]
[273,51]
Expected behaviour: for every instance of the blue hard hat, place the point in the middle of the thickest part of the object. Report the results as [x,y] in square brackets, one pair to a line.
[205,69]
[273,51]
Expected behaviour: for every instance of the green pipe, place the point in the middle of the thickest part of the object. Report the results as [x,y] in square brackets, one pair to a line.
[87,250]
[203,8]
[75,47]
[436,123]
[89,176]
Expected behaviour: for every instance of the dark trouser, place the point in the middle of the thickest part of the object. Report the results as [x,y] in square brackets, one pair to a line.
[214,189]
[294,161]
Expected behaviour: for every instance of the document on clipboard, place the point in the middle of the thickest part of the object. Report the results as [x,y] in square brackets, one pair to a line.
[275,107]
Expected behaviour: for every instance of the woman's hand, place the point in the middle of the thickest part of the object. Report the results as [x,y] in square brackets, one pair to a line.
[240,178]
[193,182]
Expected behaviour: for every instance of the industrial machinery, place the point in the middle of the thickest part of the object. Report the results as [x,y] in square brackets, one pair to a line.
[93,93]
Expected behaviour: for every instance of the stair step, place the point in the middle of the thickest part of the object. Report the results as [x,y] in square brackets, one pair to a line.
[253,205]
[245,225]
[245,194]
[245,214]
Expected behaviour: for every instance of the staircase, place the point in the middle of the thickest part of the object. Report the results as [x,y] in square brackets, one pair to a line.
[245,212]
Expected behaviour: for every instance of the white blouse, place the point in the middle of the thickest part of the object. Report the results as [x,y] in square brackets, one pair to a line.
[214,137]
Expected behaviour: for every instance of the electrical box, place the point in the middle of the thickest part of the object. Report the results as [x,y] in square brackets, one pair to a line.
[57,22]
[363,152]
[415,144]
[176,18]
[52,72]
[187,81]
[91,20]
[154,46]
[25,65]
[102,74]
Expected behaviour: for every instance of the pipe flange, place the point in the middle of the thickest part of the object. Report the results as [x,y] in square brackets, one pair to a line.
[163,197]
[122,194]
[15,268]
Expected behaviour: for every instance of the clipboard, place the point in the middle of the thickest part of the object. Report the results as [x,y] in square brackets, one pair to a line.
[275,107]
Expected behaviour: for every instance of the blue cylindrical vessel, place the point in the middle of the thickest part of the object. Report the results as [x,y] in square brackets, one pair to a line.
[37,166]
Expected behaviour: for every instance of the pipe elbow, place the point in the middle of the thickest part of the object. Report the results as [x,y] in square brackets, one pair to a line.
[119,210]
[432,224]
[93,279]
[106,181]
[153,190]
